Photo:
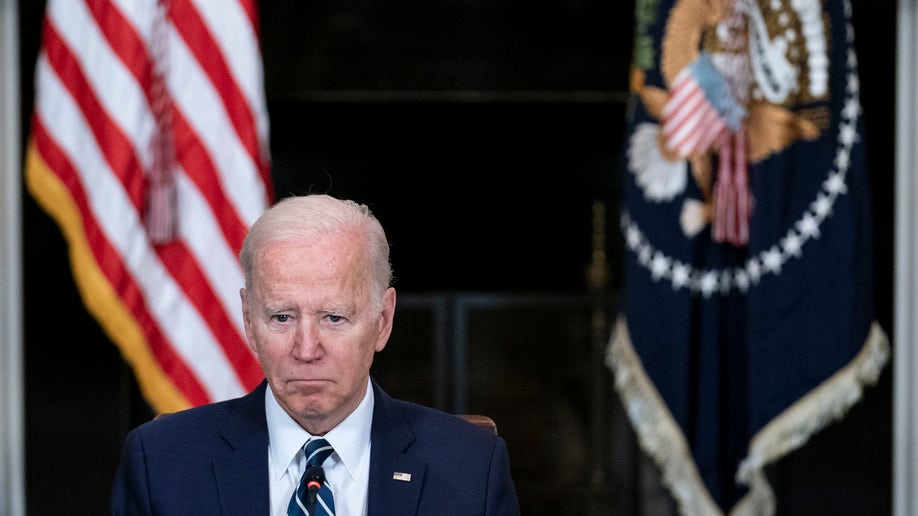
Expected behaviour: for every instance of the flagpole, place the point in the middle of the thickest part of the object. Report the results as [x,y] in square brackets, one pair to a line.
[12,455]
[905,451]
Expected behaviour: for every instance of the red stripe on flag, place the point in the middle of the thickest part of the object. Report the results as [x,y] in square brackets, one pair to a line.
[112,267]
[251,11]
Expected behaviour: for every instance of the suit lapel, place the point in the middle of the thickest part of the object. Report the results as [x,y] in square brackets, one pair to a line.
[395,476]
[242,474]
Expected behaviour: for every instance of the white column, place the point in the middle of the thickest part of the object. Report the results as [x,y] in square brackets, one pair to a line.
[12,447]
[905,357]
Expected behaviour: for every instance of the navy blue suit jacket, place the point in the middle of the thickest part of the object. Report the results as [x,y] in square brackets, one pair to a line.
[213,459]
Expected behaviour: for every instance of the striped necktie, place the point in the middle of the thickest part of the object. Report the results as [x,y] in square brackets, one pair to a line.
[313,497]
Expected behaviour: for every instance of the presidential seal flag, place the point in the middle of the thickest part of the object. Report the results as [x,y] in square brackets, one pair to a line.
[149,148]
[748,322]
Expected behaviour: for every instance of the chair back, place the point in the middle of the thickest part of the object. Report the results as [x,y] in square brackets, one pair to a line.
[480,420]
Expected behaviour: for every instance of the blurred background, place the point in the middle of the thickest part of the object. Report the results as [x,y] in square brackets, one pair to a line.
[487,137]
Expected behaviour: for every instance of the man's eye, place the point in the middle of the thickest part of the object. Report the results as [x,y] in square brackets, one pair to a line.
[335,318]
[282,318]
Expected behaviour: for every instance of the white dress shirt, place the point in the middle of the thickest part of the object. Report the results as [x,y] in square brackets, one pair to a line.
[347,470]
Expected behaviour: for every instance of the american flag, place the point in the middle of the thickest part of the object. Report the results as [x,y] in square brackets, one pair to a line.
[149,148]
[691,124]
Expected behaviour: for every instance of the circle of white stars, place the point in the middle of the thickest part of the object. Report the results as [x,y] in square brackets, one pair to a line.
[707,282]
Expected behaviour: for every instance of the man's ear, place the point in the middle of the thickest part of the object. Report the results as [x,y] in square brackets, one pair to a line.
[385,319]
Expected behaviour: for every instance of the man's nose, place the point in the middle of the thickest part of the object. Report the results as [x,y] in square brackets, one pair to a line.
[307,345]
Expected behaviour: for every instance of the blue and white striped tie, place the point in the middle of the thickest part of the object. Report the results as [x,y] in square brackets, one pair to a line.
[316,452]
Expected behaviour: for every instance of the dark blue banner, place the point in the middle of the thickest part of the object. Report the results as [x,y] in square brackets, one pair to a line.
[748,319]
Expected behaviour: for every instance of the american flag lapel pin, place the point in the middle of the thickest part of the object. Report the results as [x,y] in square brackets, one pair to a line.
[399,475]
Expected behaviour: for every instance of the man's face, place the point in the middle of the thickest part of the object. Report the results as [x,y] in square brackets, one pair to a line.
[310,320]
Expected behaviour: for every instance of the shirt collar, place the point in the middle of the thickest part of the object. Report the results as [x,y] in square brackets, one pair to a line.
[350,439]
